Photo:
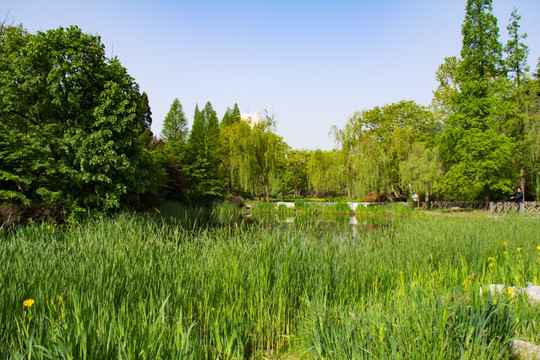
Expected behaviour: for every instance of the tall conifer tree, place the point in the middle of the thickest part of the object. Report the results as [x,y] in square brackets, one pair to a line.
[477,154]
[203,156]
[175,126]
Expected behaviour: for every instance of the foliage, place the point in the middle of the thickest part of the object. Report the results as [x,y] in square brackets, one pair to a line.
[295,175]
[231,116]
[255,154]
[69,125]
[374,143]
[421,169]
[394,288]
[516,50]
[231,131]
[144,119]
[475,149]
[203,169]
[324,171]
[175,129]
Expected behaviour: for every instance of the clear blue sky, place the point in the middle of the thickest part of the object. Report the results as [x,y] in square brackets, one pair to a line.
[310,63]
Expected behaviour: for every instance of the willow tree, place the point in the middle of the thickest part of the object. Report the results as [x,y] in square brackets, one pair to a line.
[231,133]
[256,153]
[421,169]
[374,142]
[325,172]
[295,174]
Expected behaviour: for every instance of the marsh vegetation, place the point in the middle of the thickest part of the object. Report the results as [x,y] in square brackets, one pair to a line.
[173,285]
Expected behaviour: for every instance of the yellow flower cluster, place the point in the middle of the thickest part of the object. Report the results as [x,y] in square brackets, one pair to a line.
[28,303]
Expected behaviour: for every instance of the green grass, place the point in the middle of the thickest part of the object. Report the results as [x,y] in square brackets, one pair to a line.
[174,287]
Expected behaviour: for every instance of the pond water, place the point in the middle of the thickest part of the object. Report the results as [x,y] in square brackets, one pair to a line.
[347,223]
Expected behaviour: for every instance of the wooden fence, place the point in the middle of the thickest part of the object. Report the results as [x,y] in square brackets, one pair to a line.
[529,206]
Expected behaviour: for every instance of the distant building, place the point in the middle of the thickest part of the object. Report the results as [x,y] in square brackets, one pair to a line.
[252,119]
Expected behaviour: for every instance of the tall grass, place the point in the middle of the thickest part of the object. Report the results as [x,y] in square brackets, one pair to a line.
[147,287]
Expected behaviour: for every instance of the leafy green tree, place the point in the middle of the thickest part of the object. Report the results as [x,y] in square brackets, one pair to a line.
[256,154]
[295,174]
[68,122]
[482,51]
[144,119]
[475,150]
[374,143]
[175,127]
[325,172]
[231,116]
[442,104]
[516,50]
[531,141]
[516,65]
[421,169]
[205,177]
[144,114]
[229,132]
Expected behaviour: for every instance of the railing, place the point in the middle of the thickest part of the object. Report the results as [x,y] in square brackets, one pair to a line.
[529,206]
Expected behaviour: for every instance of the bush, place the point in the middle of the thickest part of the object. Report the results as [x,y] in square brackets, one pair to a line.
[235,201]
[13,215]
[375,197]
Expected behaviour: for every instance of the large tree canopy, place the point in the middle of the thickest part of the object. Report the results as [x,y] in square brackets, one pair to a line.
[374,142]
[476,151]
[68,122]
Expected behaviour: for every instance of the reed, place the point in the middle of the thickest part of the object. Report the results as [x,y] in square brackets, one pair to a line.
[172,286]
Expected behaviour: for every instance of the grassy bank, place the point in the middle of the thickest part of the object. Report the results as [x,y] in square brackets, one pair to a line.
[142,286]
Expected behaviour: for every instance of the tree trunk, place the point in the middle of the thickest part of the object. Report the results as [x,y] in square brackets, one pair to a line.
[267,192]
[488,195]
[394,191]
[522,173]
[427,193]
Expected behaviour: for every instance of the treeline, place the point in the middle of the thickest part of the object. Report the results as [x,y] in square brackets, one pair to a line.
[479,138]
[75,133]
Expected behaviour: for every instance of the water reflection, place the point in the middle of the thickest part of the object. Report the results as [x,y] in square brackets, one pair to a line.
[350,224]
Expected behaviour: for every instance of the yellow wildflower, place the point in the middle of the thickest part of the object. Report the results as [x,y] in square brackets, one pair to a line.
[491,258]
[466,282]
[519,249]
[505,243]
[213,309]
[490,265]
[28,303]
[538,247]
[48,227]
[60,299]
[511,291]
[506,253]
